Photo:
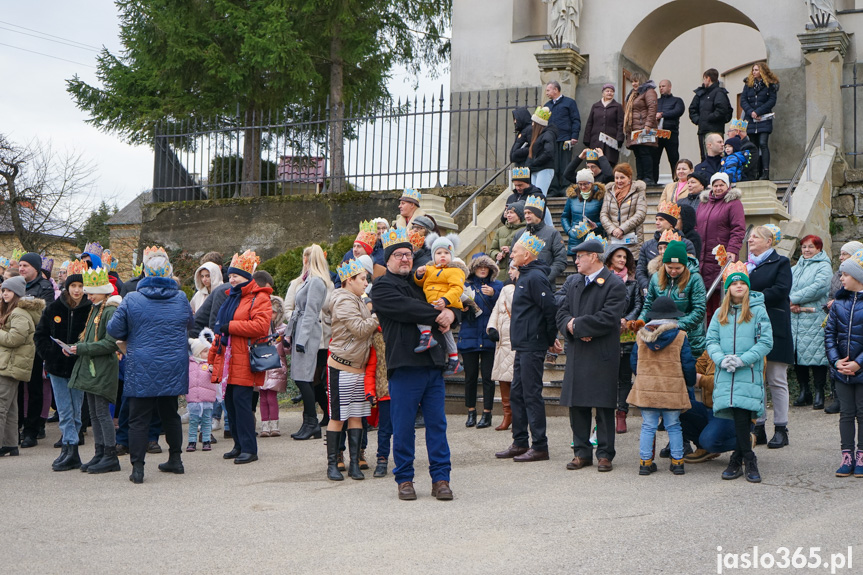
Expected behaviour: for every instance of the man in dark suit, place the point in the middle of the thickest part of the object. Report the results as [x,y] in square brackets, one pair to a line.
[564,115]
[669,109]
[589,318]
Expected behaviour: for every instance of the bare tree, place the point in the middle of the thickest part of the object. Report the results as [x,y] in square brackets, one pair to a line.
[44,196]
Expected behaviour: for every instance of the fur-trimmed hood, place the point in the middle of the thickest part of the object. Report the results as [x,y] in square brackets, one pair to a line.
[34,306]
[654,265]
[731,195]
[278,310]
[484,261]
[652,336]
[598,190]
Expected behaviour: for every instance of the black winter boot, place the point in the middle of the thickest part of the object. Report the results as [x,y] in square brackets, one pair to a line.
[333,473]
[109,461]
[137,475]
[381,468]
[64,450]
[805,397]
[760,434]
[310,429]
[355,438]
[471,418]
[173,465]
[100,452]
[833,406]
[780,437]
[484,420]
[71,461]
[734,469]
[818,396]
[751,462]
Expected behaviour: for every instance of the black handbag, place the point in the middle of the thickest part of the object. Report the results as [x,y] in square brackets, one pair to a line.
[263,355]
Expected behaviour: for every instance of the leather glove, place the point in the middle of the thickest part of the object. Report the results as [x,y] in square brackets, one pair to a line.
[224,328]
[727,364]
[493,334]
[300,349]
[736,362]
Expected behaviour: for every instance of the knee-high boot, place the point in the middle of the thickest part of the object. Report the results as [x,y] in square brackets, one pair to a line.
[355,438]
[507,410]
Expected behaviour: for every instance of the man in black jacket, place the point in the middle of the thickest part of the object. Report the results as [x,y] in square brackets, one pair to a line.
[596,162]
[414,378]
[564,115]
[712,162]
[532,334]
[669,109]
[553,253]
[521,189]
[710,108]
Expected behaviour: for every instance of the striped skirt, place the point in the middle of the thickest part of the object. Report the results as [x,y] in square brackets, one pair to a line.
[346,395]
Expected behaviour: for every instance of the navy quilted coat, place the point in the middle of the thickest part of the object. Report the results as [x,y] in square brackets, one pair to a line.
[153,323]
[472,334]
[843,336]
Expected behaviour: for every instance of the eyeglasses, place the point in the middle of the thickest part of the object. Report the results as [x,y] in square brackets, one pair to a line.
[403,256]
[580,255]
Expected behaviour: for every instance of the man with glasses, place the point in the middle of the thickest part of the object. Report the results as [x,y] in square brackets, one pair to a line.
[414,378]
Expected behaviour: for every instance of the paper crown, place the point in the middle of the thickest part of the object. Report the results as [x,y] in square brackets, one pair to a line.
[47,264]
[669,236]
[394,236]
[410,194]
[349,269]
[669,208]
[107,260]
[64,265]
[534,202]
[739,124]
[164,269]
[17,255]
[247,261]
[591,155]
[521,173]
[735,271]
[777,233]
[858,258]
[582,228]
[542,113]
[416,239]
[76,267]
[4,261]
[368,233]
[720,254]
[94,278]
[94,248]
[593,237]
[139,269]
[531,243]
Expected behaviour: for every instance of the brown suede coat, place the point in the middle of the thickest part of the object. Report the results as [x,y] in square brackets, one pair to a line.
[659,382]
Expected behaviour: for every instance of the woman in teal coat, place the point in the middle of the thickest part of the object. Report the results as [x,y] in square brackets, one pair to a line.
[679,279]
[810,288]
[738,339]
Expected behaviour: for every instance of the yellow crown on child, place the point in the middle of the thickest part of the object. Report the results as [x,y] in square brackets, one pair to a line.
[669,236]
[531,243]
[534,202]
[247,261]
[394,236]
[777,233]
[542,113]
[139,269]
[350,269]
[96,278]
[669,208]
[739,124]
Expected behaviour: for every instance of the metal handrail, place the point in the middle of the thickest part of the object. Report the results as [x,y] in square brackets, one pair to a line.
[804,163]
[479,190]
[718,279]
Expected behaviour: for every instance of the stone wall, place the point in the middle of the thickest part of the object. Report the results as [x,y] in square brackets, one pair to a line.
[272,225]
[847,217]
[61,251]
[124,247]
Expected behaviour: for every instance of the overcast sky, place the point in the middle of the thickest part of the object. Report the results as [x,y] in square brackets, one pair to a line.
[34,102]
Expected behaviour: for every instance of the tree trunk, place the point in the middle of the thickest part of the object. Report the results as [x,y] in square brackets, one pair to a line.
[251,178]
[337,116]
[21,233]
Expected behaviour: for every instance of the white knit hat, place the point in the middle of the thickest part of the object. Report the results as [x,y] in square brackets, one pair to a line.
[584,175]
[852,248]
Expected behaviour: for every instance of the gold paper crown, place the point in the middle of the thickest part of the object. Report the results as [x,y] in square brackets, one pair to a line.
[593,237]
[591,155]
[349,269]
[96,278]
[17,255]
[395,236]
[521,173]
[669,208]
[582,228]
[858,257]
[531,243]
[669,236]
[4,261]
[416,238]
[247,261]
[139,269]
[777,233]
[534,202]
[368,233]
[542,113]
[76,267]
[739,124]
[412,194]
[738,269]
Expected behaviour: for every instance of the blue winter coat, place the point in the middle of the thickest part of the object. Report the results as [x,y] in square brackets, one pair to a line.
[576,210]
[472,335]
[751,342]
[843,336]
[760,99]
[810,285]
[153,322]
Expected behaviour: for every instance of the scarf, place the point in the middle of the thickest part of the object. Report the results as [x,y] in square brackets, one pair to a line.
[229,307]
[755,261]
[585,196]
[680,187]
[620,194]
[622,274]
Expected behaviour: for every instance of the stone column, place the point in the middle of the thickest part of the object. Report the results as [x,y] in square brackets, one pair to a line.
[561,64]
[824,53]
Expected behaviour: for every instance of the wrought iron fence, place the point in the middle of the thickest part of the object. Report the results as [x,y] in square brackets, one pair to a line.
[421,143]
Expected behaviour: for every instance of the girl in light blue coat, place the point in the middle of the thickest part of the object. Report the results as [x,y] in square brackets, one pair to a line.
[810,289]
[738,339]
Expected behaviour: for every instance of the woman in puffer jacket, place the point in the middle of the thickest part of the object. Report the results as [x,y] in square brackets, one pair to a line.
[583,206]
[476,348]
[153,321]
[504,355]
[276,380]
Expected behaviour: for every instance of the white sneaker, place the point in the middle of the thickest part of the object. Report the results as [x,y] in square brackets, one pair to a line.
[217,424]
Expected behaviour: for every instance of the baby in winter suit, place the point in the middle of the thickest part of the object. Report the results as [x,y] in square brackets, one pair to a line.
[202,393]
[443,285]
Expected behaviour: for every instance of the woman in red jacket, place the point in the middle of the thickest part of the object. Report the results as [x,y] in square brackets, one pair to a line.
[244,317]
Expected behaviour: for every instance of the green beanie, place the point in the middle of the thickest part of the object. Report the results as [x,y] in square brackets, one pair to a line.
[675,253]
[735,276]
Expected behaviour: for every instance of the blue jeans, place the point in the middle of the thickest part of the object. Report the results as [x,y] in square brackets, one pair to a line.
[542,180]
[69,402]
[709,432]
[204,420]
[649,422]
[123,424]
[385,429]
[410,387]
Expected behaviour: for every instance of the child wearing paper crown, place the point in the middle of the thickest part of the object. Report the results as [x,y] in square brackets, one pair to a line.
[735,160]
[443,285]
[202,392]
[738,339]
[664,368]
[844,342]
